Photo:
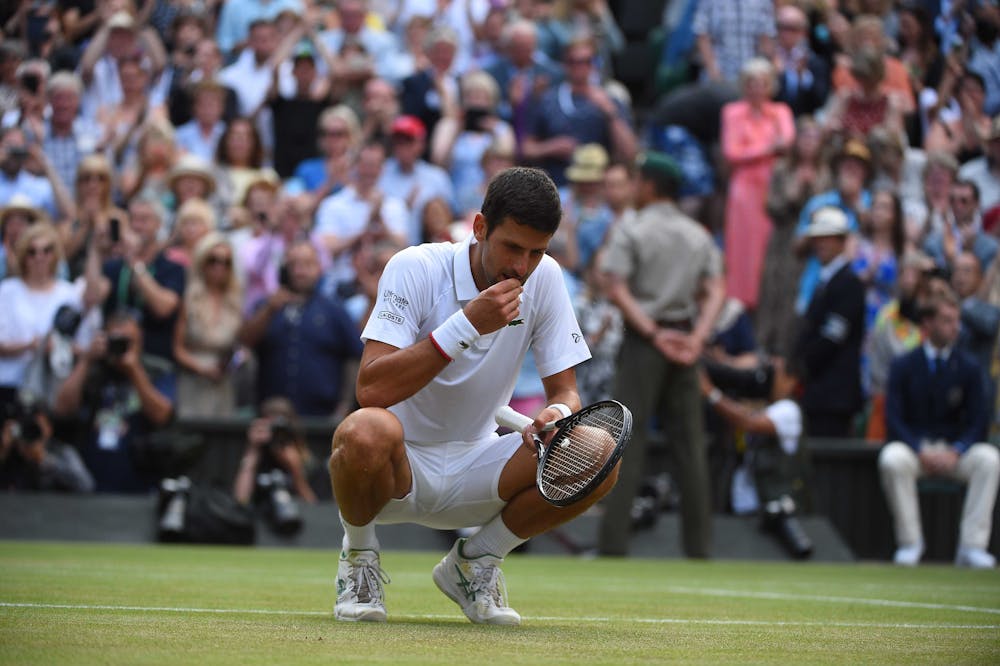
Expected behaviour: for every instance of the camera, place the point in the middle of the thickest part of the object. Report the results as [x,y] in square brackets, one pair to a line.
[282,432]
[280,508]
[474,119]
[118,345]
[747,383]
[24,414]
[115,230]
[779,519]
[66,321]
[31,82]
[17,153]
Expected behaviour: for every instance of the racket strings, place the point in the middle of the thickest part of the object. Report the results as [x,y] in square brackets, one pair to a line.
[577,458]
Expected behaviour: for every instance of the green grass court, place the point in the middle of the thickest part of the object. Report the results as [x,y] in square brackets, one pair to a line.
[78,603]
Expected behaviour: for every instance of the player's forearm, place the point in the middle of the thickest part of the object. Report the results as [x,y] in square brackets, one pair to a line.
[397,375]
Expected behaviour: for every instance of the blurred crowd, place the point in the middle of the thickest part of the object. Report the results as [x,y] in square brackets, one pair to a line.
[197,197]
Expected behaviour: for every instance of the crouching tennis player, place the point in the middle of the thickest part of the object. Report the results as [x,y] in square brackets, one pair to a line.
[443,347]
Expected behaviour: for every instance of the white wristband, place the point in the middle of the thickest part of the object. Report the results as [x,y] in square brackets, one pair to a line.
[455,336]
[561,408]
[714,396]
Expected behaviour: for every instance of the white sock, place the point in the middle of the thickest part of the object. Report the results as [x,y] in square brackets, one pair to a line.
[359,537]
[495,539]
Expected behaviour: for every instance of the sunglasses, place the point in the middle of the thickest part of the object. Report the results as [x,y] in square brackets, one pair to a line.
[578,61]
[790,27]
[216,260]
[41,251]
[960,200]
[84,177]
[333,132]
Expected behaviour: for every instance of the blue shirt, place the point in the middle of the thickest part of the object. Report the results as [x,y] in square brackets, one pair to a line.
[303,351]
[236,16]
[810,274]
[38,190]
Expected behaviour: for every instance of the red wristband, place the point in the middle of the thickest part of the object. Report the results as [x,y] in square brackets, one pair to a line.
[438,347]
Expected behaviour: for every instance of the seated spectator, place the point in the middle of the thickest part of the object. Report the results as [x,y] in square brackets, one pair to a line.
[200,135]
[867,33]
[31,459]
[828,351]
[587,217]
[857,110]
[141,280]
[576,112]
[407,176]
[939,175]
[380,45]
[123,122]
[16,179]
[896,330]
[204,341]
[962,230]
[594,17]
[899,167]
[303,340]
[359,213]
[192,178]
[29,301]
[803,76]
[379,108]
[275,442]
[937,421]
[147,171]
[15,217]
[205,65]
[980,320]
[68,137]
[460,139]
[959,130]
[94,212]
[432,92]
[117,404]
[985,171]
[195,220]
[339,133]
[240,160]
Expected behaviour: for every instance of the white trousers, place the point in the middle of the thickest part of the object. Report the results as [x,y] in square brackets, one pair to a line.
[979,467]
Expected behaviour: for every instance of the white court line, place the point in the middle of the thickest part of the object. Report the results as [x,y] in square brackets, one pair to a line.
[780,596]
[601,620]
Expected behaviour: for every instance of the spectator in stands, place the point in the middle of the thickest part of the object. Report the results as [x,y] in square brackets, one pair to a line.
[240,159]
[303,339]
[576,112]
[379,108]
[238,17]
[410,57]
[368,266]
[828,350]
[960,128]
[250,73]
[16,216]
[118,403]
[803,76]
[896,330]
[142,280]
[405,175]
[594,18]
[461,138]
[32,78]
[192,178]
[867,35]
[275,442]
[125,122]
[67,137]
[432,92]
[662,266]
[980,321]
[603,328]
[730,32]
[204,341]
[879,250]
[851,172]
[985,171]
[339,133]
[962,230]
[796,178]
[985,48]
[755,133]
[937,423]
[587,217]
[206,63]
[200,135]
[147,169]
[94,212]
[857,110]
[361,212]
[920,54]
[195,220]
[29,300]
[619,190]
[899,167]
[11,56]
[499,155]
[379,45]
[522,73]
[42,192]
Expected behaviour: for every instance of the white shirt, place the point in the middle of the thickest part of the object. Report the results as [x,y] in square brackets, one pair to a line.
[787,419]
[424,285]
[345,214]
[28,315]
[427,181]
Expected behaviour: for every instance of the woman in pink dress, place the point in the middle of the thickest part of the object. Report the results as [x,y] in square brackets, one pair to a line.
[755,131]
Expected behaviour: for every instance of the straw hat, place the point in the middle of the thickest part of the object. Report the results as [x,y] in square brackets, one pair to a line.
[590,161]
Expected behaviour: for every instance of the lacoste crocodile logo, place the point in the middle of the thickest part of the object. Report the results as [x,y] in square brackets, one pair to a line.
[516,322]
[463,344]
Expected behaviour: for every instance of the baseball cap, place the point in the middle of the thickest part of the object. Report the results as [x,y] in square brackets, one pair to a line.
[409,126]
[828,221]
[658,163]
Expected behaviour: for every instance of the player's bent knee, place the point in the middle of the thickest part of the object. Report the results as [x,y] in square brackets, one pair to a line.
[367,434]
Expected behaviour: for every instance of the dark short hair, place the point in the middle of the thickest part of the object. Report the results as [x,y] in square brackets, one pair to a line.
[664,184]
[945,298]
[965,182]
[525,195]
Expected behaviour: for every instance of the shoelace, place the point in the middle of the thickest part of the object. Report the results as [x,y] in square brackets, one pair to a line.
[489,580]
[368,580]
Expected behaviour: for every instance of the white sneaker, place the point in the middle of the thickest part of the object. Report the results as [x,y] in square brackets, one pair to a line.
[974,558]
[359,587]
[477,585]
[909,556]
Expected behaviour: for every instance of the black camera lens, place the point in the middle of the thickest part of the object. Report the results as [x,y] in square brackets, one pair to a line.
[31,82]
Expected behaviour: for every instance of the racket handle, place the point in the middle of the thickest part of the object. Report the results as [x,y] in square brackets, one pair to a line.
[507,417]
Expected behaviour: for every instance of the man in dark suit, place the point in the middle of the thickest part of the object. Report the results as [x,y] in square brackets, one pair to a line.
[828,352]
[431,92]
[803,76]
[936,417]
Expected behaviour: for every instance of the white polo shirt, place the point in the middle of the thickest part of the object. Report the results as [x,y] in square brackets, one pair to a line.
[424,285]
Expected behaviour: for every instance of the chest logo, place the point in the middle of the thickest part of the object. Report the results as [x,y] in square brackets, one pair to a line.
[516,322]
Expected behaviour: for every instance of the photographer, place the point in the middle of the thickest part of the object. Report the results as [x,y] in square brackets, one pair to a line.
[46,192]
[773,437]
[275,442]
[31,460]
[117,404]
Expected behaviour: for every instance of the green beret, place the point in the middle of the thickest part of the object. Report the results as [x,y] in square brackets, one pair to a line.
[651,162]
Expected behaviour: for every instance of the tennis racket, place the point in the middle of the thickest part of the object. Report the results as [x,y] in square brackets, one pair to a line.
[583,451]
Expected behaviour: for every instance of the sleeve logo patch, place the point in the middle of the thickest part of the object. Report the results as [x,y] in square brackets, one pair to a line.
[394,299]
[394,318]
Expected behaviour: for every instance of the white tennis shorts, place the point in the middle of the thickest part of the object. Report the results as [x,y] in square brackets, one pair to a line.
[455,484]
